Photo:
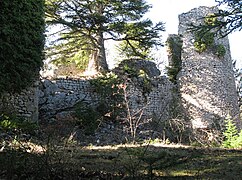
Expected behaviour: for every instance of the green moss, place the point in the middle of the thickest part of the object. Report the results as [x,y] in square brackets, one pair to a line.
[203,40]
[220,50]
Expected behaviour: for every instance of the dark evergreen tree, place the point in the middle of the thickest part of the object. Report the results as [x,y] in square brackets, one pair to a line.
[21,43]
[87,24]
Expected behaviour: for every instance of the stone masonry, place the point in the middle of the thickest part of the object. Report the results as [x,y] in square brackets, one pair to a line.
[57,97]
[24,104]
[206,81]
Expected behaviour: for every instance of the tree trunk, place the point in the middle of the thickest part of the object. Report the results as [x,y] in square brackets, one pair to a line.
[92,66]
[98,61]
[101,58]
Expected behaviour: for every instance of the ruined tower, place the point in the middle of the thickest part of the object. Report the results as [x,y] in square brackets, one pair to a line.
[206,79]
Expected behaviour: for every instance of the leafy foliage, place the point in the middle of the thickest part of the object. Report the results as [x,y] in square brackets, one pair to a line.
[109,106]
[86,25]
[108,87]
[232,138]
[220,50]
[14,123]
[21,43]
[73,51]
[203,40]
[133,50]
[232,15]
[203,37]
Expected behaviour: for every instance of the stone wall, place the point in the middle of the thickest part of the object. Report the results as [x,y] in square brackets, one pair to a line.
[24,104]
[57,97]
[206,81]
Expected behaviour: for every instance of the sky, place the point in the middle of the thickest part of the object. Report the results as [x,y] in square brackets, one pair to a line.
[168,11]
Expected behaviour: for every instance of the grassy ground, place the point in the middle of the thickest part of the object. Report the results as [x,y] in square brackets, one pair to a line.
[54,155]
[154,161]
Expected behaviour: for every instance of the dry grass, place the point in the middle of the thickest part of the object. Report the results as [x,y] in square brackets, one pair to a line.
[59,157]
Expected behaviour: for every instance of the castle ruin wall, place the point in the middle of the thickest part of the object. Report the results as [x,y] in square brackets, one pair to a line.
[58,97]
[24,104]
[206,81]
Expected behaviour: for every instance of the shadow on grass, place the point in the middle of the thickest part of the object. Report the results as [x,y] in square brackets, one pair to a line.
[122,162]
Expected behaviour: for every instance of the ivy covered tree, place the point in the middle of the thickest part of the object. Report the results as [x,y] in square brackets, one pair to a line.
[21,43]
[85,25]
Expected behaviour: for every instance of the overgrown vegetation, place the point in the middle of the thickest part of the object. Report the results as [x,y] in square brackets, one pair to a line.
[205,38]
[109,106]
[220,50]
[88,118]
[174,48]
[14,123]
[113,103]
[21,43]
[109,87]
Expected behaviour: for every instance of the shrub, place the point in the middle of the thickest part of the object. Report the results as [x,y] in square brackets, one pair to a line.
[18,124]
[87,117]
[203,40]
[108,87]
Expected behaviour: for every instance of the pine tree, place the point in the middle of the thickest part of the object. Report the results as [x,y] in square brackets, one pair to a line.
[87,24]
[231,133]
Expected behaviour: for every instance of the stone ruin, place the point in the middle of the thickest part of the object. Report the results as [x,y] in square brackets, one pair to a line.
[202,96]
[206,81]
